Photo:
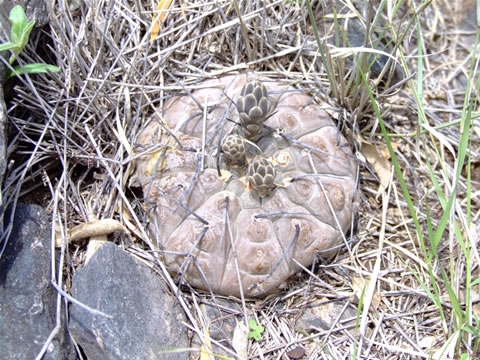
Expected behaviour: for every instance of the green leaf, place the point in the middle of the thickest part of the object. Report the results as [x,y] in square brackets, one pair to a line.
[257,330]
[17,15]
[33,69]
[8,46]
[19,22]
[471,330]
[26,32]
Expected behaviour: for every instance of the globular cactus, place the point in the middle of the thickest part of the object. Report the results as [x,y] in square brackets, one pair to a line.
[261,175]
[233,146]
[253,105]
[209,222]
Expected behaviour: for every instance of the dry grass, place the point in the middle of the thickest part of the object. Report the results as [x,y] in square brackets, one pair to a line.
[73,153]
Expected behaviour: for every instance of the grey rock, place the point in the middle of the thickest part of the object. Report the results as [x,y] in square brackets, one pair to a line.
[3,133]
[467,29]
[356,33]
[323,315]
[4,26]
[222,318]
[145,320]
[4,30]
[34,9]
[27,299]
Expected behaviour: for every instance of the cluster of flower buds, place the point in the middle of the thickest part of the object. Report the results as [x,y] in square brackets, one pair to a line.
[253,106]
[233,146]
[261,175]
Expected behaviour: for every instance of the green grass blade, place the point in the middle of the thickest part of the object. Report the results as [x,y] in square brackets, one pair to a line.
[32,69]
[326,63]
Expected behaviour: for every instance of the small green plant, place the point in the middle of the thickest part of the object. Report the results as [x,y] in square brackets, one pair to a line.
[257,330]
[19,35]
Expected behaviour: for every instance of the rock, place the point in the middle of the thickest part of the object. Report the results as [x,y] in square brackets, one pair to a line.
[222,319]
[296,353]
[466,20]
[222,322]
[460,11]
[356,33]
[145,321]
[4,29]
[27,299]
[323,315]
[3,135]
[34,9]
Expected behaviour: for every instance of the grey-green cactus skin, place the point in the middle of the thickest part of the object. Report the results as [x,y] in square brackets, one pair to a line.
[244,219]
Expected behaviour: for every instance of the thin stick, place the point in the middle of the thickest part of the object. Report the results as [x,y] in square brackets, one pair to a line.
[168,196]
[204,132]
[192,183]
[235,260]
[334,215]
[188,256]
[155,171]
[283,213]
[82,305]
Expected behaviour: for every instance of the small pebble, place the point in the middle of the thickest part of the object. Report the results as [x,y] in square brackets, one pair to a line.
[297,353]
